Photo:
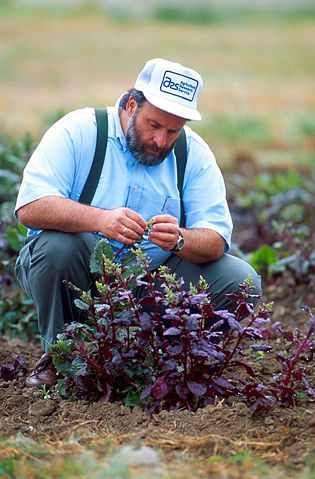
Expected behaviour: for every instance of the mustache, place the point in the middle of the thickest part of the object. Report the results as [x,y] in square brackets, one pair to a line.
[154,148]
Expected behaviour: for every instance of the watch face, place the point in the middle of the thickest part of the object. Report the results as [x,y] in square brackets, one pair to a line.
[180,243]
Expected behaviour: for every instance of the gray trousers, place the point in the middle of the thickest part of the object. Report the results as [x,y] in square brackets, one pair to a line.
[51,257]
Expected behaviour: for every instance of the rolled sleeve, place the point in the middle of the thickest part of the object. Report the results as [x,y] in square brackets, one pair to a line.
[51,169]
[204,192]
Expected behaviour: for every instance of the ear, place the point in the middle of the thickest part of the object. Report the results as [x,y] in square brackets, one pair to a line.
[131,106]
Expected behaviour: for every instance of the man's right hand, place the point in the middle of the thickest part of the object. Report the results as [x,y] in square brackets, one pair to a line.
[122,224]
[63,214]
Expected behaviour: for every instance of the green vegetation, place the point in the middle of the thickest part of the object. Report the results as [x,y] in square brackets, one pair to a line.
[205,14]
[22,457]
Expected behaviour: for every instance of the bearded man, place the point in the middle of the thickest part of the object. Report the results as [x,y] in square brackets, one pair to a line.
[137,183]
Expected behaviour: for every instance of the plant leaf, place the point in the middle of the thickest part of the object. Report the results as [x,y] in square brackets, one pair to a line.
[102,247]
[198,389]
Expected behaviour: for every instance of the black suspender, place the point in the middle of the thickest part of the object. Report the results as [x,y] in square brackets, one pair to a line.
[91,183]
[181,160]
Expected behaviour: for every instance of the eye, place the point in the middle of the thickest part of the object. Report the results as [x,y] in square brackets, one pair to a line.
[153,124]
[173,132]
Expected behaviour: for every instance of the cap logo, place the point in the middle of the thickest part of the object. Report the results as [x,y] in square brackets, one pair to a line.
[179,85]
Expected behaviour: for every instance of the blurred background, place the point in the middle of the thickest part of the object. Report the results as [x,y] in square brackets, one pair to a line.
[257,59]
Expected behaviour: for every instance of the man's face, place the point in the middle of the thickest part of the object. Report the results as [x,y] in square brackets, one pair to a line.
[151,134]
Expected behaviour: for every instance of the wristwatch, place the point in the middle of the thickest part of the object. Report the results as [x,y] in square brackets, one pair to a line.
[180,243]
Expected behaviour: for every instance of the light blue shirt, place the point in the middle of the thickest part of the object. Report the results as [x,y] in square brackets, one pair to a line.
[61,163]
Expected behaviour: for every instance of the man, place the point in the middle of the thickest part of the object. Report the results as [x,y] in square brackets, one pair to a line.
[138,183]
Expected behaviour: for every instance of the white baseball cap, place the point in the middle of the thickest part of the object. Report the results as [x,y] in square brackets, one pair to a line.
[171,87]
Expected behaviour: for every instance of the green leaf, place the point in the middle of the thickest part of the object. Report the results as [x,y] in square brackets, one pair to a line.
[78,366]
[62,389]
[63,366]
[132,398]
[61,347]
[15,235]
[81,305]
[102,247]
[263,258]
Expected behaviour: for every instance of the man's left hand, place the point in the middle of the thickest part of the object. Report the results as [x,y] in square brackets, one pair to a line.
[165,231]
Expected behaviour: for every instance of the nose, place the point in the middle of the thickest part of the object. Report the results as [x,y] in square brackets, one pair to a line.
[160,138]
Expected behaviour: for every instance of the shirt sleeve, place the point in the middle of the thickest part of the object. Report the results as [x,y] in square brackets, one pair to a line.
[204,193]
[51,169]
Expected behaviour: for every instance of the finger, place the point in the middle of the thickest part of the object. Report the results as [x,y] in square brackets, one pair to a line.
[164,219]
[168,228]
[164,237]
[125,240]
[165,245]
[132,230]
[136,218]
[129,234]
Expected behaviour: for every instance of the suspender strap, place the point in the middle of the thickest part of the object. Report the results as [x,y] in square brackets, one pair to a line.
[181,160]
[91,183]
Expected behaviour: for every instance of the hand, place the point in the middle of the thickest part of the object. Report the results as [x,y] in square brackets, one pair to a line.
[164,232]
[122,224]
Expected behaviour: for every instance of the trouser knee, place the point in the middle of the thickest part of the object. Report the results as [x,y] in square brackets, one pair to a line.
[45,265]
[63,251]
[224,277]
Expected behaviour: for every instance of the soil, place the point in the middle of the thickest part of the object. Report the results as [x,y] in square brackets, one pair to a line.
[282,437]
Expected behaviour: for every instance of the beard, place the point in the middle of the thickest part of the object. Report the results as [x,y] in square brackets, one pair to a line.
[139,149]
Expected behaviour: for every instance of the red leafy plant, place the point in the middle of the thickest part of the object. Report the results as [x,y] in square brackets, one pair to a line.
[17,368]
[166,348]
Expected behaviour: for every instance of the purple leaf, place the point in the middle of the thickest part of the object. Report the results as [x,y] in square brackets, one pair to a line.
[175,349]
[160,388]
[132,353]
[146,392]
[222,383]
[100,336]
[253,333]
[198,389]
[198,298]
[217,325]
[17,368]
[261,347]
[235,324]
[192,324]
[170,365]
[224,314]
[261,404]
[122,321]
[243,310]
[146,322]
[244,365]
[260,322]
[172,331]
[116,359]
[182,391]
[199,353]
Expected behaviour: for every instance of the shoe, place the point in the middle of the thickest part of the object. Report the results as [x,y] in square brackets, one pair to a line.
[43,373]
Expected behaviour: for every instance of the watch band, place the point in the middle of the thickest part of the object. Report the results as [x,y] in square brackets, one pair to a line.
[179,244]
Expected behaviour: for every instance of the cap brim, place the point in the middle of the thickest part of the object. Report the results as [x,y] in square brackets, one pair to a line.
[173,108]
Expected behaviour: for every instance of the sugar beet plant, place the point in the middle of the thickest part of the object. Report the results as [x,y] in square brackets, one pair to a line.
[165,348]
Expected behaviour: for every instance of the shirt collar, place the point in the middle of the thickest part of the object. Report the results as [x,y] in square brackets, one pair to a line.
[118,131]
